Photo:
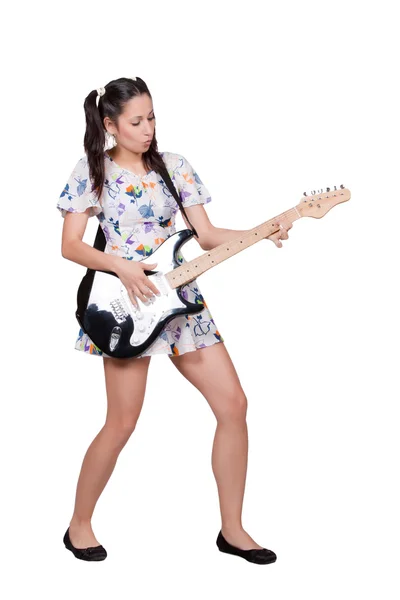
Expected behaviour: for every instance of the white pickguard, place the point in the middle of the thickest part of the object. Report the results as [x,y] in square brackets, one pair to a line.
[149,313]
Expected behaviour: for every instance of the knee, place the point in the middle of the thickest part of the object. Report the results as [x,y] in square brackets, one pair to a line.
[121,428]
[235,408]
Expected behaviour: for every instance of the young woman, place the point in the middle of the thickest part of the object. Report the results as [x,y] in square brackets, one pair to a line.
[137,213]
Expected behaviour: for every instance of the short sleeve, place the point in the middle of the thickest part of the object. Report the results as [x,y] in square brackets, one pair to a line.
[77,194]
[191,188]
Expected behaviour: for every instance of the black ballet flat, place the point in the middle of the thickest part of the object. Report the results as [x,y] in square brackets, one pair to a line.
[260,556]
[90,553]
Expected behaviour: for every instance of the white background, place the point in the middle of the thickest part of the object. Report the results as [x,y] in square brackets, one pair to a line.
[266,101]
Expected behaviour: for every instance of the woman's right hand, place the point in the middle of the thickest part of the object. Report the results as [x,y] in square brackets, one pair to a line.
[138,285]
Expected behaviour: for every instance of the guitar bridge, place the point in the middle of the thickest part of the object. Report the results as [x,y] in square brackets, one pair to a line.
[118,310]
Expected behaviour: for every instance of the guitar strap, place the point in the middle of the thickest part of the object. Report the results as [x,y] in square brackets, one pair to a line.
[100,240]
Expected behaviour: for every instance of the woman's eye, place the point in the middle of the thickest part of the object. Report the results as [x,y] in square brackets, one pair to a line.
[151,119]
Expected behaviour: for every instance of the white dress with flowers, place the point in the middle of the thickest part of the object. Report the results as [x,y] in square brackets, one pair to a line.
[137,215]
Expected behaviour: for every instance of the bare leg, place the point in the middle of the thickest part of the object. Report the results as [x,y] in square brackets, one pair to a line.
[211,371]
[125,385]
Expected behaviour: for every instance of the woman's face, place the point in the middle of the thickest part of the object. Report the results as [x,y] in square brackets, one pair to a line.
[136,124]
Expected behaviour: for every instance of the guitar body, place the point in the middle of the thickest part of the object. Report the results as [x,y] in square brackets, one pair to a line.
[106,313]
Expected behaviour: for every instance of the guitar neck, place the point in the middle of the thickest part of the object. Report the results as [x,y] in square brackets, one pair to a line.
[190,270]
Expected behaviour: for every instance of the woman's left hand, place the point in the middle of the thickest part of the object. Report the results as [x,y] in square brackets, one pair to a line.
[282,234]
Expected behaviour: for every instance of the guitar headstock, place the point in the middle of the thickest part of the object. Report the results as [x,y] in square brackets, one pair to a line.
[318,202]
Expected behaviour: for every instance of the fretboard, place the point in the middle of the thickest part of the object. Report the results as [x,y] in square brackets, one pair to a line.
[192,269]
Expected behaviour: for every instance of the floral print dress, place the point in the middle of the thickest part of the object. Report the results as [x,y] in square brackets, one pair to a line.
[137,215]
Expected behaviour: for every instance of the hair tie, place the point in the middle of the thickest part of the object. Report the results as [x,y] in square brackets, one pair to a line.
[100,92]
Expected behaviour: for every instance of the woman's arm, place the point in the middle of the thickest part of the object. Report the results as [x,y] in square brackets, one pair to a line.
[73,248]
[211,236]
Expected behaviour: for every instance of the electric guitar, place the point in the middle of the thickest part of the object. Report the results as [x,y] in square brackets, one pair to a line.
[106,313]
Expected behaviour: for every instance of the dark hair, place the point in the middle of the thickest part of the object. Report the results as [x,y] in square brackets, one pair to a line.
[111,104]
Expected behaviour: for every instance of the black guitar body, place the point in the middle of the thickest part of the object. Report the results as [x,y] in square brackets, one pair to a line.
[106,313]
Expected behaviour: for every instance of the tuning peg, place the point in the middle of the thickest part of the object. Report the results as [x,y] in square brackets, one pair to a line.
[342,187]
[305,193]
[335,188]
[328,189]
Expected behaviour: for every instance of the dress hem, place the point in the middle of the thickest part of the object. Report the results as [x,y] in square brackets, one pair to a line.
[103,355]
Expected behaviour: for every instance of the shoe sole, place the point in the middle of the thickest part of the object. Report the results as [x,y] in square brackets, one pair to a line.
[267,562]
